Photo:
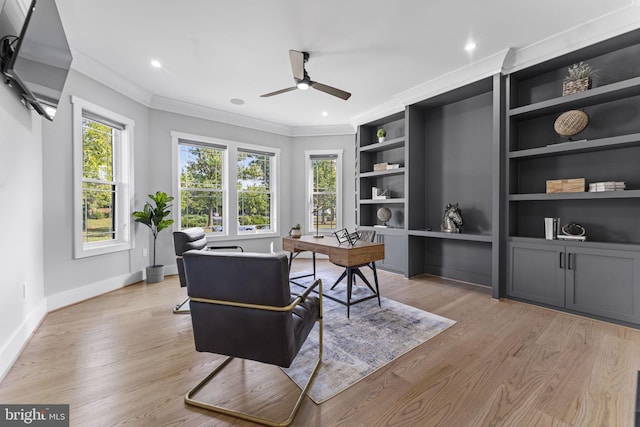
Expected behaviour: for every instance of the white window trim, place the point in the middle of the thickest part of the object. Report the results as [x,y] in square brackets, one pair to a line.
[175,176]
[230,177]
[309,227]
[124,202]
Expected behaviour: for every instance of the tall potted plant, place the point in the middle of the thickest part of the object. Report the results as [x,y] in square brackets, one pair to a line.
[155,217]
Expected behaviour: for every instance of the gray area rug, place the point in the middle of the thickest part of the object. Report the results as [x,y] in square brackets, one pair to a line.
[356,347]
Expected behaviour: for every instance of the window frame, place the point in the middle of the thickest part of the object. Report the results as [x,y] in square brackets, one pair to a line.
[230,178]
[213,144]
[123,176]
[309,157]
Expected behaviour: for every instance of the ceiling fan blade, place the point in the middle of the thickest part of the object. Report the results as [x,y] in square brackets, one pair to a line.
[331,90]
[297,63]
[278,92]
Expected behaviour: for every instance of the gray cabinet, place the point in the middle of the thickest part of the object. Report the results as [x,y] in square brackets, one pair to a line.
[604,283]
[536,273]
[597,281]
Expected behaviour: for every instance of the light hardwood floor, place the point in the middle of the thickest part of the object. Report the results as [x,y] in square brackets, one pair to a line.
[124,359]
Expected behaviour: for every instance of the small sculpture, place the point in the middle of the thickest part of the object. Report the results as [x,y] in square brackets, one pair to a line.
[452,219]
[384,215]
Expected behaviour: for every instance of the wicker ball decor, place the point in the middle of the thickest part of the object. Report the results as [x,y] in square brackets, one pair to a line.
[571,123]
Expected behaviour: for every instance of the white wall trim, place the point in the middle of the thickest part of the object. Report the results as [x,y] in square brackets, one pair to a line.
[91,290]
[108,77]
[14,346]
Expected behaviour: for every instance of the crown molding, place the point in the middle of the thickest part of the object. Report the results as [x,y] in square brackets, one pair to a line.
[386,109]
[468,74]
[599,29]
[103,74]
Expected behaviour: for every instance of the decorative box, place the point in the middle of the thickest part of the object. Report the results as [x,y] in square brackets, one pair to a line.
[573,185]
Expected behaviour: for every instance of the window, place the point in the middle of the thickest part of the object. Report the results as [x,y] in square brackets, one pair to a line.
[324,170]
[202,186]
[102,179]
[225,187]
[254,191]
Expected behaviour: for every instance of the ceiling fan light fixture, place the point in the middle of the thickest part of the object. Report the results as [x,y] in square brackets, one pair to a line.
[303,85]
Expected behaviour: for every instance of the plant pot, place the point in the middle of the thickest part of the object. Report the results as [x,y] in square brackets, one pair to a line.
[295,234]
[381,139]
[155,273]
[576,86]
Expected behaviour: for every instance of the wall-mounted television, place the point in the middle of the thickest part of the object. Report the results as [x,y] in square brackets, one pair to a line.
[37,62]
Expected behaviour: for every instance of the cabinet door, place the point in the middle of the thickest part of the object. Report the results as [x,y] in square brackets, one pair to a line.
[395,253]
[604,282]
[536,272]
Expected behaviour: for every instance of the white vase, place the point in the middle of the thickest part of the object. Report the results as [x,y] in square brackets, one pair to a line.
[295,233]
[381,139]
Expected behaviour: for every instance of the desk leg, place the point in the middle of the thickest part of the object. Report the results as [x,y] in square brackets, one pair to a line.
[314,264]
[375,277]
[349,286]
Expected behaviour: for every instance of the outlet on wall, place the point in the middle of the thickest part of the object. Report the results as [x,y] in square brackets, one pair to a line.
[145,252]
[24,291]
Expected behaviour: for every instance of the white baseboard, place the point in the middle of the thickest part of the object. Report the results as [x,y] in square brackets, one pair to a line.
[9,354]
[76,295]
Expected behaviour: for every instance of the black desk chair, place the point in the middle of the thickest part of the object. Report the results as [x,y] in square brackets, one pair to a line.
[351,272]
[241,307]
[186,240]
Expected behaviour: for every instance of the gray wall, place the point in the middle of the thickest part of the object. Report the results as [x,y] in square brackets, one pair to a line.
[345,142]
[62,271]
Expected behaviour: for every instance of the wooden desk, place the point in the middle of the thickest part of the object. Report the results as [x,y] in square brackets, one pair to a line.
[349,256]
[341,254]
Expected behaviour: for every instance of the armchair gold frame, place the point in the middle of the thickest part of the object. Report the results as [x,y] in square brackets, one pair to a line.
[243,415]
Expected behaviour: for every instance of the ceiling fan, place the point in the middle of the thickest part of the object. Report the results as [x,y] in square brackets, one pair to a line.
[302,79]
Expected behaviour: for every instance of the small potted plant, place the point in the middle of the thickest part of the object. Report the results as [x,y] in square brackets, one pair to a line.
[579,79]
[295,231]
[155,217]
[381,134]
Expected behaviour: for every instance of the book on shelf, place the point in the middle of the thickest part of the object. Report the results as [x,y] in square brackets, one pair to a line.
[574,238]
[607,186]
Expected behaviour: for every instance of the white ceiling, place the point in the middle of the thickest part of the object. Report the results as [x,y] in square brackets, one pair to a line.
[215,50]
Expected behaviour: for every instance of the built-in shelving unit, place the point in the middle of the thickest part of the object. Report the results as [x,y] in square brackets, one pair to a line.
[454,157]
[369,151]
[600,276]
[448,151]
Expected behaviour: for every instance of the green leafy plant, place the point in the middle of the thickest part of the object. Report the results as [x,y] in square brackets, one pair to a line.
[381,133]
[296,227]
[580,71]
[155,217]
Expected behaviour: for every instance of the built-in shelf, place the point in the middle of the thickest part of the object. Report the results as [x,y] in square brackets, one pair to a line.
[625,246]
[575,147]
[383,146]
[610,92]
[380,201]
[625,194]
[395,231]
[386,172]
[470,237]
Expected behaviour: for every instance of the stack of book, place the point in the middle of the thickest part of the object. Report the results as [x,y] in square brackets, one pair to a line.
[607,186]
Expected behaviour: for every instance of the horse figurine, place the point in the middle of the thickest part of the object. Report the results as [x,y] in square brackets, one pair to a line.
[452,219]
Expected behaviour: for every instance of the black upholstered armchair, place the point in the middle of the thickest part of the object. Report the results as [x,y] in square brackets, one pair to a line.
[241,307]
[186,240]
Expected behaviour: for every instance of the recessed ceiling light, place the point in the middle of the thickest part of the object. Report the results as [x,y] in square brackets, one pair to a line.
[324,113]
[155,63]
[236,101]
[470,46]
